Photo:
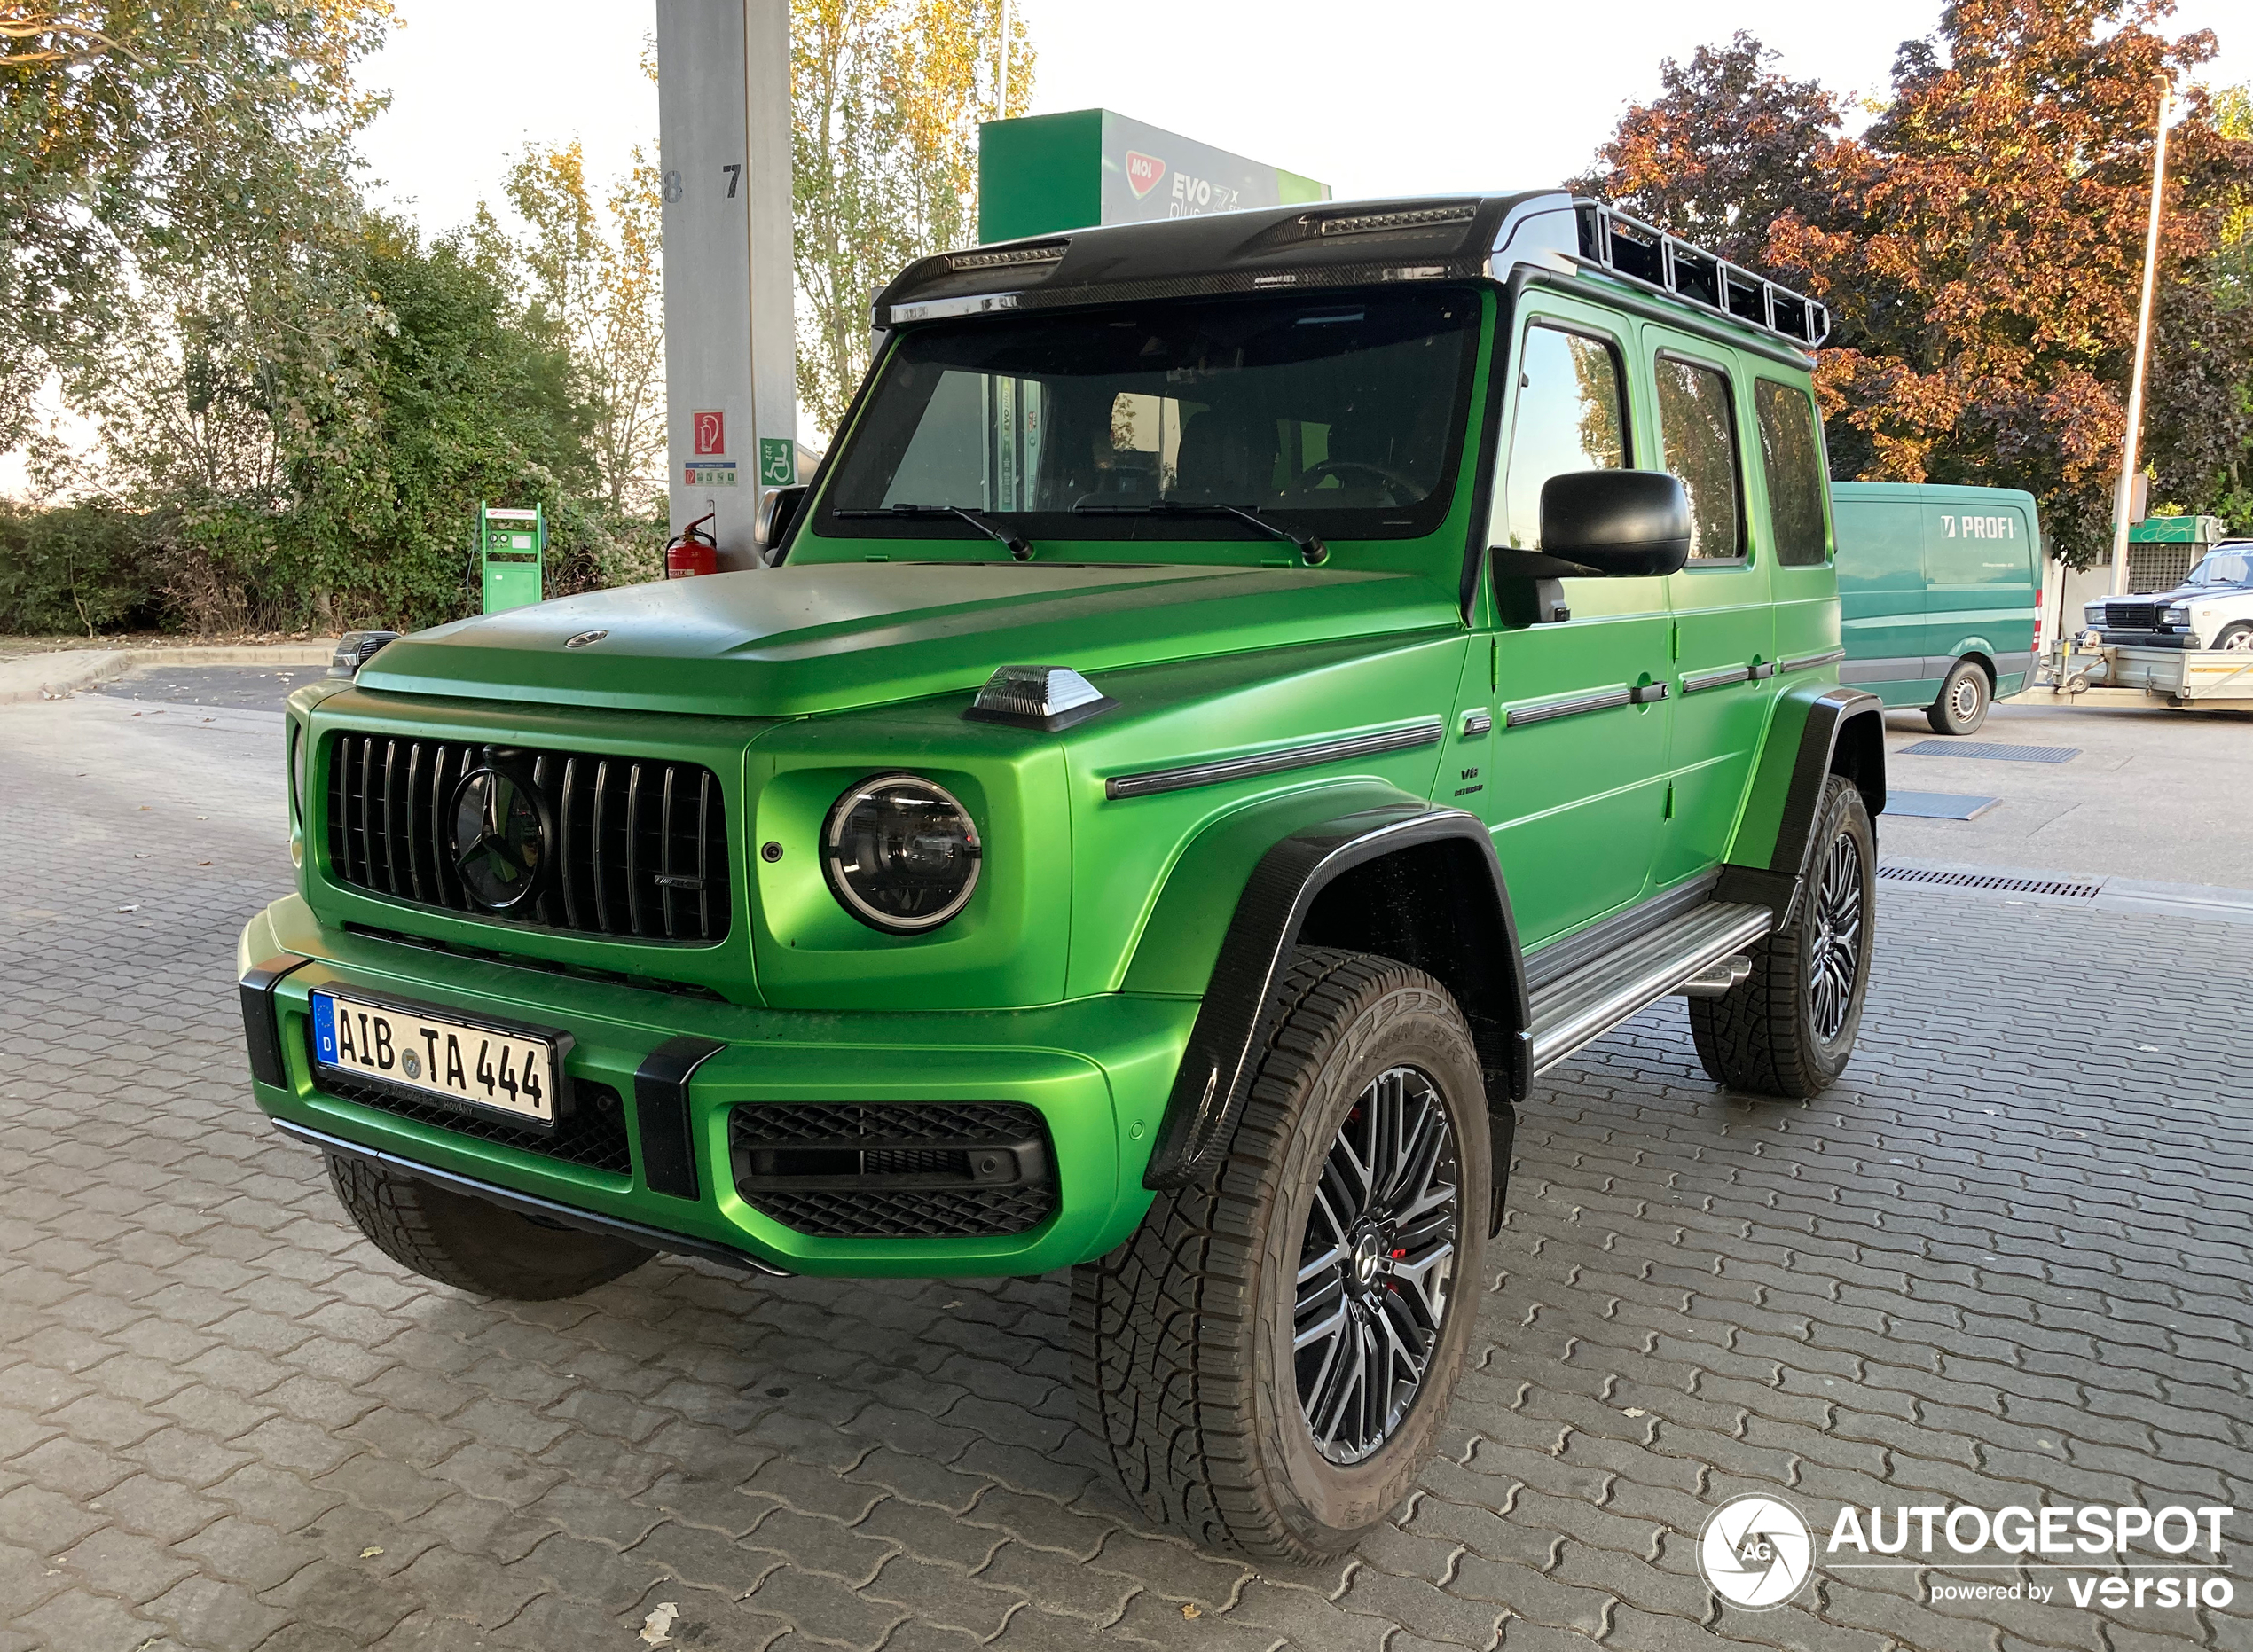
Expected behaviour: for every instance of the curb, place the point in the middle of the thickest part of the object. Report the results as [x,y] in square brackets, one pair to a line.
[57,675]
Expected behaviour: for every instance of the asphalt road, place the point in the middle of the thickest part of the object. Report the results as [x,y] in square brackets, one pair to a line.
[235,687]
[2006,1261]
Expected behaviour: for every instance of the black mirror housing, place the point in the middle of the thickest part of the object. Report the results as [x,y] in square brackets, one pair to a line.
[1621,524]
[777,508]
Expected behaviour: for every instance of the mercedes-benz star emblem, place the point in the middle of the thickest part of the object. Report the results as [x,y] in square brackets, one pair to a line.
[1756,1552]
[585,640]
[499,840]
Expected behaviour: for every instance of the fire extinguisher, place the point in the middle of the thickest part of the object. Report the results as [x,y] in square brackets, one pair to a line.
[692,550]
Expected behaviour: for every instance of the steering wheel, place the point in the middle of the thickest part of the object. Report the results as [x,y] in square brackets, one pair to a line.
[1331,468]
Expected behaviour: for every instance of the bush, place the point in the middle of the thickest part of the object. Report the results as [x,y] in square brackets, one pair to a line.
[76,567]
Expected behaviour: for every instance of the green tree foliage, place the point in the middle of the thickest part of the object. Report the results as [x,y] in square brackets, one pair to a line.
[174,141]
[886,96]
[1980,246]
[592,281]
[76,568]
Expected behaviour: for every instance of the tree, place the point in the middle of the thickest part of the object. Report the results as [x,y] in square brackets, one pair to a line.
[1727,148]
[599,293]
[1980,246]
[885,101]
[169,140]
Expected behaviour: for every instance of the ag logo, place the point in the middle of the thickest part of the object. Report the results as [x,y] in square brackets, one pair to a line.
[499,838]
[1755,1552]
[1142,172]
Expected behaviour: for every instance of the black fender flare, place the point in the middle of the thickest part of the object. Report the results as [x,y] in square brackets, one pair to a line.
[1241,1001]
[1843,734]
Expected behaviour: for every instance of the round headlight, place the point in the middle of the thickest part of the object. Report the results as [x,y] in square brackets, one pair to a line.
[901,853]
[297,771]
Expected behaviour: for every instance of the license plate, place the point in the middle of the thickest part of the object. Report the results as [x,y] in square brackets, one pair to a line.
[434,1055]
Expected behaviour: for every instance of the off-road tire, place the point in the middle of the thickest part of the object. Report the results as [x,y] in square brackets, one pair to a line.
[1961,706]
[1181,1338]
[472,1245]
[1762,1035]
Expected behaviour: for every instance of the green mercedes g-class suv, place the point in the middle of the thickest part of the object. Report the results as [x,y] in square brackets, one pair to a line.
[1243,696]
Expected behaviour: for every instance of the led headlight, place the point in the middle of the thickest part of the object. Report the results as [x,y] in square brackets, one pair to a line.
[901,853]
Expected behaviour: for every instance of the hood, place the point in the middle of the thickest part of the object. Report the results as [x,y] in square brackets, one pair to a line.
[793,641]
[2181,593]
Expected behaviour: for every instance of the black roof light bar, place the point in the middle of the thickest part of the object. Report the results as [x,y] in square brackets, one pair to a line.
[1637,251]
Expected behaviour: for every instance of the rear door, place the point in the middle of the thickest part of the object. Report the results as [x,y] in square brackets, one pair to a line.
[1882,592]
[1980,585]
[1792,480]
[1577,792]
[1724,632]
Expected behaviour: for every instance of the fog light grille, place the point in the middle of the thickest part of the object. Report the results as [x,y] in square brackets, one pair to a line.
[890,1171]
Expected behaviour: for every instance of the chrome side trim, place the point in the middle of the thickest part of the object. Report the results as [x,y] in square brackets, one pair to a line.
[1721,676]
[1584,1005]
[1429,732]
[1569,706]
[1809,662]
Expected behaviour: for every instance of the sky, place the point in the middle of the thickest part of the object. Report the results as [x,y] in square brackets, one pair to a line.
[1437,96]
[1446,95]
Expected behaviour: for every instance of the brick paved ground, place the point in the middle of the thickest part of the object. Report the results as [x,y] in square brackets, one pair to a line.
[2005,1262]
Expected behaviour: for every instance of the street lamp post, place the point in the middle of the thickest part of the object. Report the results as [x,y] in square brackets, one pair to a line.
[2123,495]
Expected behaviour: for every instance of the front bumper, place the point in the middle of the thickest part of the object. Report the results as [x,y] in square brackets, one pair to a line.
[1097,1070]
[2117,638]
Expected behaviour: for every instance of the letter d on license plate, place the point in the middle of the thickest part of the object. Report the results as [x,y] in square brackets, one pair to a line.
[502,1069]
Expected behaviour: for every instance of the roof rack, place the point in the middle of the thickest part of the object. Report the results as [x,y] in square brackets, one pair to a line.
[1637,252]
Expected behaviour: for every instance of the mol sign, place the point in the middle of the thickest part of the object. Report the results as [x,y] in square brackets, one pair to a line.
[1050,172]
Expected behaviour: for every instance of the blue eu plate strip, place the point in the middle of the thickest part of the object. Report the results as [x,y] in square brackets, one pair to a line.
[324,1027]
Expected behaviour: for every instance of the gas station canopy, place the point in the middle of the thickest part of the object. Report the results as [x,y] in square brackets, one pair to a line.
[1049,172]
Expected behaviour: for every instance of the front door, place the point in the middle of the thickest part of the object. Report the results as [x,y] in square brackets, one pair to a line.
[1576,788]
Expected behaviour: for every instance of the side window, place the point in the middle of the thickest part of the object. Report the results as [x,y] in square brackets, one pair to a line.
[1792,462]
[1697,427]
[1571,415]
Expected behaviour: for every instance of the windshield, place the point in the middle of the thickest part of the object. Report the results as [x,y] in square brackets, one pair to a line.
[1341,417]
[2223,567]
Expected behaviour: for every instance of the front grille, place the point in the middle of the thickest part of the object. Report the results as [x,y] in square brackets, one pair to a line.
[2131,616]
[895,1170]
[637,848]
[591,1132]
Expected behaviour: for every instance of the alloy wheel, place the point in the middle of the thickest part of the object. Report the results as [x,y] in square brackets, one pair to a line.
[2236,642]
[1376,1266]
[1837,957]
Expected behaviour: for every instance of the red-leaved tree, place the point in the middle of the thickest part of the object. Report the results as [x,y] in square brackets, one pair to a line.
[1980,246]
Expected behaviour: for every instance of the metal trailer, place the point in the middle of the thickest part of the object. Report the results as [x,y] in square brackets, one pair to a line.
[2186,677]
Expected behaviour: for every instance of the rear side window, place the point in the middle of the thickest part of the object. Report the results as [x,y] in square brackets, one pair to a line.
[1792,462]
[1697,426]
[1571,415]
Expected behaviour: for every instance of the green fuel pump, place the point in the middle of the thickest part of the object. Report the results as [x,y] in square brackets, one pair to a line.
[512,548]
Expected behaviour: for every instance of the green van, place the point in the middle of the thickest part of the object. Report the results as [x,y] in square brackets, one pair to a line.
[1938,591]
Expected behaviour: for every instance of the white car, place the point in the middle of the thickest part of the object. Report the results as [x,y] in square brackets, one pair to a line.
[2213,608]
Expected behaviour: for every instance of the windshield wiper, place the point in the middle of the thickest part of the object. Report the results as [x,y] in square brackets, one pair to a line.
[1311,551]
[1008,538]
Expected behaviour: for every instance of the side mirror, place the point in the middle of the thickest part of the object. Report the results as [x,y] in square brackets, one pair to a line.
[777,508]
[1622,524]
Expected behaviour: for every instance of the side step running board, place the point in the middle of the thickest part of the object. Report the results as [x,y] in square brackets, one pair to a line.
[1582,1008]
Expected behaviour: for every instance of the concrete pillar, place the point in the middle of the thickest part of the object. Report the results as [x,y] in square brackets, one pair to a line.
[731,347]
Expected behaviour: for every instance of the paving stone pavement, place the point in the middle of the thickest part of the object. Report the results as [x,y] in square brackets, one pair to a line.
[2006,1261]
